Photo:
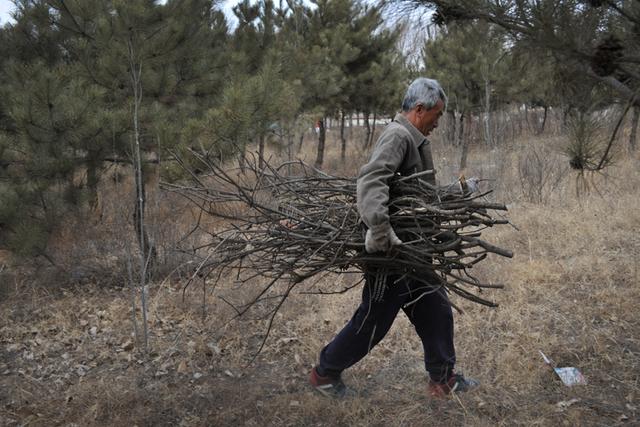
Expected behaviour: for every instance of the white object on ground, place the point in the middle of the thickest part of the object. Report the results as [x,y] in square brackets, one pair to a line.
[569,376]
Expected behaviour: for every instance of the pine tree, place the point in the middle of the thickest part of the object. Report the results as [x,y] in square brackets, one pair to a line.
[73,64]
[468,59]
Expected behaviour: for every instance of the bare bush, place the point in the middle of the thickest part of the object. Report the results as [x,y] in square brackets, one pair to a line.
[540,173]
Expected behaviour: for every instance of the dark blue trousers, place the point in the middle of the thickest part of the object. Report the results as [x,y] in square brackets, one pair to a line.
[431,316]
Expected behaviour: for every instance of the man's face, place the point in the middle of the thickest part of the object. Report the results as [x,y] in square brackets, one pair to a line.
[427,118]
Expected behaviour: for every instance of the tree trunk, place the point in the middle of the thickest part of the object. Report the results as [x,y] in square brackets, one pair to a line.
[544,120]
[343,141]
[242,161]
[520,121]
[451,127]
[368,127]
[261,152]
[289,145]
[92,184]
[526,118]
[566,114]
[146,248]
[634,129]
[464,143]
[487,112]
[300,141]
[147,251]
[373,130]
[460,126]
[321,139]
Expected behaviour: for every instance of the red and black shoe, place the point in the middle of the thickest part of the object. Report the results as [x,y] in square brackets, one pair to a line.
[456,383]
[328,386]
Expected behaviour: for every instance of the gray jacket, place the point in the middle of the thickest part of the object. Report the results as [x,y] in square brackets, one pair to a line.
[402,149]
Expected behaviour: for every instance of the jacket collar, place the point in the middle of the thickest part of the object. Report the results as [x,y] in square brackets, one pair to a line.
[416,136]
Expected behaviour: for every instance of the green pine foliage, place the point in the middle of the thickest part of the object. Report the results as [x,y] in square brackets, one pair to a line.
[464,59]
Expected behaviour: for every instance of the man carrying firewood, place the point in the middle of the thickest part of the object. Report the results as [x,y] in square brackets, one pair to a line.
[401,148]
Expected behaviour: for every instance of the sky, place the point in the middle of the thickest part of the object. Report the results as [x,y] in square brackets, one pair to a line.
[6,6]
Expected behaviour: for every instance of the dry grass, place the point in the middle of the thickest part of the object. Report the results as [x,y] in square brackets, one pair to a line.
[572,292]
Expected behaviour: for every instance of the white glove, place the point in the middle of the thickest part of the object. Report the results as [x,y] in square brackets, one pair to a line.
[380,238]
[469,185]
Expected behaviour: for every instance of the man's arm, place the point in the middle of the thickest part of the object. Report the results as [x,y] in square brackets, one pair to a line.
[372,185]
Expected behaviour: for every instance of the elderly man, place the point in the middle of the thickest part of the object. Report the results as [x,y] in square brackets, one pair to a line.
[402,148]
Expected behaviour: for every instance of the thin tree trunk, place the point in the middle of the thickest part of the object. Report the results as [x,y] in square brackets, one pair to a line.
[520,121]
[92,183]
[566,114]
[464,143]
[343,141]
[261,151]
[634,129]
[300,141]
[289,145]
[451,127]
[487,112]
[373,130]
[242,161]
[544,120]
[321,140]
[132,285]
[147,252]
[368,133]
[526,118]
[460,135]
[510,118]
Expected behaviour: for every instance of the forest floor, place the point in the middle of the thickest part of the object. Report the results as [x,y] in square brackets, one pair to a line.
[68,355]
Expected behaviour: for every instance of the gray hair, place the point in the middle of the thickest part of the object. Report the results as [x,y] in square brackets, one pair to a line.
[423,91]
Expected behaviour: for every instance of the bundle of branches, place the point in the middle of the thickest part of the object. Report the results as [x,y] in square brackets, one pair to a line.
[291,223]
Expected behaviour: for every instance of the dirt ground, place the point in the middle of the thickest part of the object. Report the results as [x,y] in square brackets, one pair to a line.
[68,355]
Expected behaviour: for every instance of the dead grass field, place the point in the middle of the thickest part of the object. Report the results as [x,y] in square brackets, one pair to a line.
[67,355]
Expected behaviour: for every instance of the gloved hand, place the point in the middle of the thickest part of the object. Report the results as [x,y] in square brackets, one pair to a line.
[380,238]
[469,185]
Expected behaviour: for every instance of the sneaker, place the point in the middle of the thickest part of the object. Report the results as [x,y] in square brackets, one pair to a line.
[455,384]
[327,386]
